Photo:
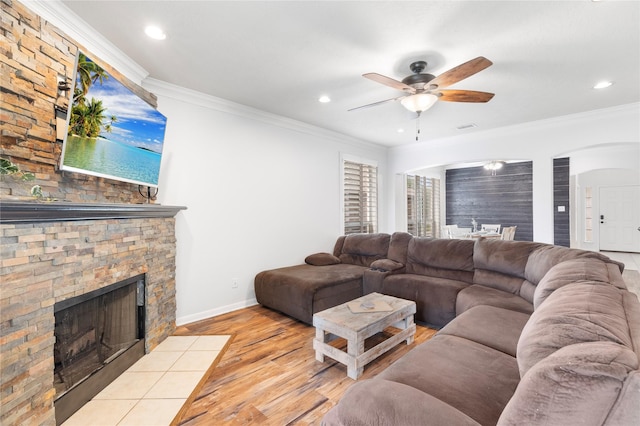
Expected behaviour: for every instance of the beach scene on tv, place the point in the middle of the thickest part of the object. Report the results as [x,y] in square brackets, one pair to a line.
[112,132]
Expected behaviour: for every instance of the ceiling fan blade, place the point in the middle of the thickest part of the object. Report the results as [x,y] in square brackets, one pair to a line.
[387,81]
[460,72]
[377,103]
[465,96]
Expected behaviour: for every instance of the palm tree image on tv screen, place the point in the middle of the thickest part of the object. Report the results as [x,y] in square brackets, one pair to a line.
[112,132]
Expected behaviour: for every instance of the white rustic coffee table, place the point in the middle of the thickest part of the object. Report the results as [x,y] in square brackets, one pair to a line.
[340,321]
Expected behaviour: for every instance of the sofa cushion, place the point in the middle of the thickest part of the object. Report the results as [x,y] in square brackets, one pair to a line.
[321,259]
[435,297]
[506,257]
[490,326]
[501,265]
[367,403]
[441,258]
[337,247]
[576,313]
[398,246]
[476,295]
[363,249]
[632,309]
[475,379]
[569,272]
[547,256]
[626,411]
[577,385]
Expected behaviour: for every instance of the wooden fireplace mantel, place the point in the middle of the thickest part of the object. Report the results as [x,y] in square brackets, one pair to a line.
[33,212]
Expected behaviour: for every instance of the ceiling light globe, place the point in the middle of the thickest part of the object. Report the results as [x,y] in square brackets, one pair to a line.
[419,102]
[494,165]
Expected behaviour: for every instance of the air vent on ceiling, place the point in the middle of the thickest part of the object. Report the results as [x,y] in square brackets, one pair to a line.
[467,126]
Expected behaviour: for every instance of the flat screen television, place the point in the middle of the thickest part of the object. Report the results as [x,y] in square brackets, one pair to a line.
[111,131]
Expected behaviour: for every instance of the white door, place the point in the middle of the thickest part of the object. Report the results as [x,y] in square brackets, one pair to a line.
[620,218]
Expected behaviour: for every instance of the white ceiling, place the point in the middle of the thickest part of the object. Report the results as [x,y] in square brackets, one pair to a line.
[280,56]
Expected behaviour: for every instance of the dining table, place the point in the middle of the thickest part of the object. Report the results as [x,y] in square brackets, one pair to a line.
[485,234]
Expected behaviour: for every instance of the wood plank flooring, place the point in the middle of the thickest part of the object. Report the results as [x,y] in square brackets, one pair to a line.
[269,375]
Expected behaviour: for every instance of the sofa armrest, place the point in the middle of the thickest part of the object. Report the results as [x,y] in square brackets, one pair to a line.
[379,402]
[372,279]
[386,265]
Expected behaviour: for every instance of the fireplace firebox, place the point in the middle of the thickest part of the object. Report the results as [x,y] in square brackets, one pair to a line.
[98,335]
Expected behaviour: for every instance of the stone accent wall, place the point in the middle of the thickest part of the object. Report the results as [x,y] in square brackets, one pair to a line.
[34,55]
[44,263]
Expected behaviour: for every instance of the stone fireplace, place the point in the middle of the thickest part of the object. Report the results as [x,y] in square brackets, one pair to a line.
[55,252]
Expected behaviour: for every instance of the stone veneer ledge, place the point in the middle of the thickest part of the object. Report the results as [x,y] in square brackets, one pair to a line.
[42,263]
[32,212]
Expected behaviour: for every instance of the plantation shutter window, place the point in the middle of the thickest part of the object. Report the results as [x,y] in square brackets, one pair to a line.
[360,198]
[423,206]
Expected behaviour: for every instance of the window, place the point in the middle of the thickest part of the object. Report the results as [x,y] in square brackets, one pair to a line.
[360,198]
[423,206]
[588,215]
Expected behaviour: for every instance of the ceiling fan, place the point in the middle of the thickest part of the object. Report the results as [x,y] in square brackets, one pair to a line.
[423,90]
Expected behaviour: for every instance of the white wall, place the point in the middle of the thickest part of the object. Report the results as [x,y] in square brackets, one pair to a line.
[611,156]
[540,142]
[262,192]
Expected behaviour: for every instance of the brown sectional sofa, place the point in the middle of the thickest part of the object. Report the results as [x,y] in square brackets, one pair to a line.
[532,334]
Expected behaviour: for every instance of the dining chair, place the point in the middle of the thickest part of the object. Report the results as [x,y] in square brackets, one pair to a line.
[491,228]
[509,232]
[449,231]
[463,233]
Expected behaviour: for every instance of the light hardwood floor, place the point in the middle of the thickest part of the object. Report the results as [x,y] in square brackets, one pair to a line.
[268,374]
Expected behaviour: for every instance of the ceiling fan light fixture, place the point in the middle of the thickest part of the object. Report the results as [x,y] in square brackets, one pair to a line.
[494,165]
[419,102]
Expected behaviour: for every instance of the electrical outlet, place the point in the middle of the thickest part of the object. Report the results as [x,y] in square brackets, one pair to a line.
[234,283]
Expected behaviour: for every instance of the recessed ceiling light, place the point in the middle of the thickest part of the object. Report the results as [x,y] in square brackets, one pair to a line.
[155,32]
[324,99]
[603,84]
[400,130]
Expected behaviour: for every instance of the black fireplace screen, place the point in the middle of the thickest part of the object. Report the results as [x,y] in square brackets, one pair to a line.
[93,329]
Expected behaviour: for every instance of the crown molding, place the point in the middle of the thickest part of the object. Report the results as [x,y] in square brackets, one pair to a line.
[58,14]
[193,97]
[631,110]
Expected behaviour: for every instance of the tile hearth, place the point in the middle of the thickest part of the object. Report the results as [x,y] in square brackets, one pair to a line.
[152,391]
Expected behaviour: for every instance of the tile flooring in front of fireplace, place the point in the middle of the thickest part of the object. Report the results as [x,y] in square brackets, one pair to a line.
[152,391]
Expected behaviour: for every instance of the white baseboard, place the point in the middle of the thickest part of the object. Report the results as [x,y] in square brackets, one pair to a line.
[213,312]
